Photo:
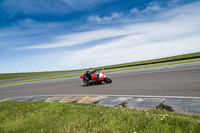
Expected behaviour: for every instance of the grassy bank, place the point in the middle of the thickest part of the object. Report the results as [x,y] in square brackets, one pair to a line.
[72,117]
[44,78]
[152,65]
[31,74]
[156,60]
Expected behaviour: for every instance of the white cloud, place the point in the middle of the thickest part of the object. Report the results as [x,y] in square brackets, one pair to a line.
[134,10]
[125,50]
[105,19]
[176,22]
[176,33]
[190,10]
[150,8]
[171,36]
[82,37]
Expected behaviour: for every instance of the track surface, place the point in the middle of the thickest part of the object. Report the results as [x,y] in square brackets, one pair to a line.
[174,80]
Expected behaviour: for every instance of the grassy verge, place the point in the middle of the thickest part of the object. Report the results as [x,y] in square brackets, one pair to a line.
[153,65]
[72,117]
[45,78]
[31,74]
[156,60]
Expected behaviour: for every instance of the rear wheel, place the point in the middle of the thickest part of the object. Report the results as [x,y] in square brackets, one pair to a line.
[88,83]
[84,79]
[108,80]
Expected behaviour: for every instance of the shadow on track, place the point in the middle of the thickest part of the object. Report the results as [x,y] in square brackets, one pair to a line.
[84,85]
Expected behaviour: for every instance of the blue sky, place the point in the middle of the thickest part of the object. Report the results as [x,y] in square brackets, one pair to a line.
[50,35]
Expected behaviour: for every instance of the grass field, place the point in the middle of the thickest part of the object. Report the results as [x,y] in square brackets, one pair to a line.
[31,74]
[155,60]
[40,117]
[23,75]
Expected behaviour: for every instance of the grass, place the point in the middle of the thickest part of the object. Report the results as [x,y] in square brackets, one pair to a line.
[31,74]
[23,75]
[40,117]
[155,60]
[39,79]
[152,65]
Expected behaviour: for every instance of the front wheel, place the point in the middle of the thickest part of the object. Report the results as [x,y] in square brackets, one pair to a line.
[108,80]
[87,83]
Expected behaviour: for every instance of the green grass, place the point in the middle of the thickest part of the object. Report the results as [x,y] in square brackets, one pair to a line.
[156,60]
[40,117]
[31,74]
[153,65]
[44,78]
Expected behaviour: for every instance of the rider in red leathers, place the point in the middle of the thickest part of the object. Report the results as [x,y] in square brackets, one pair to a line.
[92,74]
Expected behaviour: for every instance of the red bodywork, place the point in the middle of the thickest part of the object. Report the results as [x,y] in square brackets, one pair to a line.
[81,76]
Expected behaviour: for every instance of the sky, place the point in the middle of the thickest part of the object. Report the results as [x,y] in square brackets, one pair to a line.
[53,35]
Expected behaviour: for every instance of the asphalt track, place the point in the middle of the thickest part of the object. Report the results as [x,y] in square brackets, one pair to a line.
[173,80]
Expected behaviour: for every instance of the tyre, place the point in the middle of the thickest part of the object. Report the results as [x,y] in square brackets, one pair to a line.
[108,80]
[84,79]
[88,83]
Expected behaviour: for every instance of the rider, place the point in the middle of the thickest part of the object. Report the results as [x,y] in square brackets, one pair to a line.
[92,74]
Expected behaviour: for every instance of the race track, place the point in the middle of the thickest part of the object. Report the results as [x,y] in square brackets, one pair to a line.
[174,80]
